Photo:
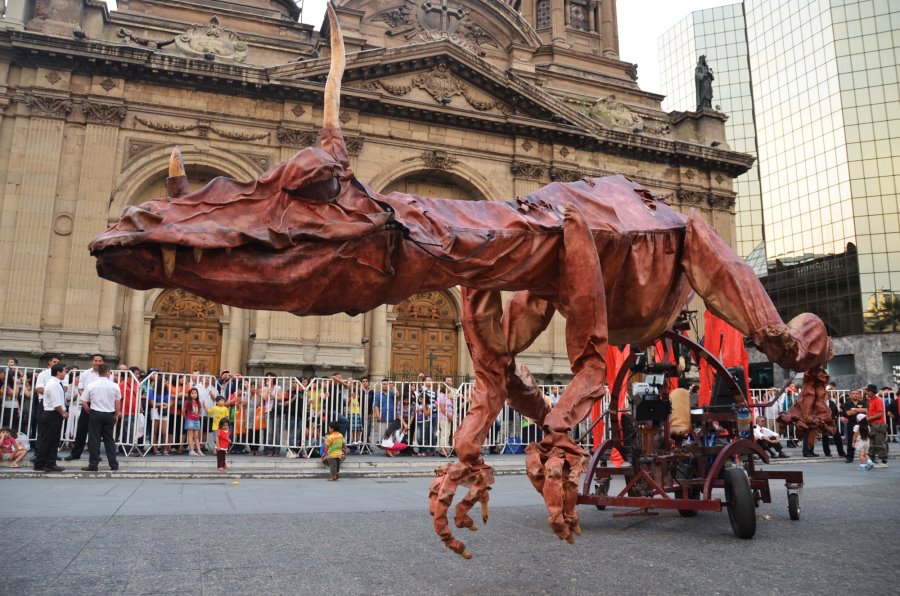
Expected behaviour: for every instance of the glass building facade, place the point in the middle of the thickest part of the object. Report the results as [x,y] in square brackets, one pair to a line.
[812,88]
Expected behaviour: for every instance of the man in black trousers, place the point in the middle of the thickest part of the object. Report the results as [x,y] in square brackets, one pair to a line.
[51,421]
[104,399]
[84,416]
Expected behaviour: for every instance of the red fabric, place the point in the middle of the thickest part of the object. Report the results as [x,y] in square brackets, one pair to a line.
[726,343]
[614,360]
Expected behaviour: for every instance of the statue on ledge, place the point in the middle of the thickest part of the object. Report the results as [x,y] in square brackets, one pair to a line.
[703,78]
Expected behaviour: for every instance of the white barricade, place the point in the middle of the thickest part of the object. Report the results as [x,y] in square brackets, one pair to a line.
[275,415]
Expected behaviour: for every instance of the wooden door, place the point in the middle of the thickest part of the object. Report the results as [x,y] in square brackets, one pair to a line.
[424,337]
[186,334]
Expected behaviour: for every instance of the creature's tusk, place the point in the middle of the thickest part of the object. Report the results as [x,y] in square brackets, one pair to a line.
[332,106]
[176,164]
[168,256]
[177,182]
[198,255]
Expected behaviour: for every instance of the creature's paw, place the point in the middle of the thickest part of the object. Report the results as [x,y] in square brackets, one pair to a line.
[555,466]
[479,478]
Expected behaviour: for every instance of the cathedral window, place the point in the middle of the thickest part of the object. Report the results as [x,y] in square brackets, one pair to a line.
[578,15]
[543,14]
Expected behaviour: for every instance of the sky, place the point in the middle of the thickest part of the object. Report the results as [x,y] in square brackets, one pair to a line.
[638,33]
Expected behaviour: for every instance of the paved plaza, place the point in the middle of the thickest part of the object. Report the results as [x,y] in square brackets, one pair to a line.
[374,536]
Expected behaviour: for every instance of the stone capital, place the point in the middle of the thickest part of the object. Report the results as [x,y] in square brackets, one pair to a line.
[103,113]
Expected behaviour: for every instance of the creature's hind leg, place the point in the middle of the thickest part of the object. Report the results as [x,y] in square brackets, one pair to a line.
[732,291]
[493,341]
[556,463]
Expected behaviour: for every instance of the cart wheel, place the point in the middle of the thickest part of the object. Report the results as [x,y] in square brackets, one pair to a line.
[794,506]
[757,499]
[692,494]
[601,489]
[740,503]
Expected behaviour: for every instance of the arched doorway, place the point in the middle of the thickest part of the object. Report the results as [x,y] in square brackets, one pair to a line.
[434,183]
[186,334]
[424,337]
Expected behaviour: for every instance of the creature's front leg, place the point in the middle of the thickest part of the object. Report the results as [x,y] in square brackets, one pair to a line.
[556,463]
[494,338]
[730,288]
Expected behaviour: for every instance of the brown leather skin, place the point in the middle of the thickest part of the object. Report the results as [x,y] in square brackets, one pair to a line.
[616,261]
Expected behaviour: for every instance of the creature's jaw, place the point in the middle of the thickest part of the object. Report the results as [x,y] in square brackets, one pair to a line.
[301,280]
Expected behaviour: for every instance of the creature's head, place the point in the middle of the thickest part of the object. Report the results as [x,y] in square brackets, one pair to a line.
[278,242]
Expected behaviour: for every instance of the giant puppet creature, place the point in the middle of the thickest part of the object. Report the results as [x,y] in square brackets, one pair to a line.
[613,259]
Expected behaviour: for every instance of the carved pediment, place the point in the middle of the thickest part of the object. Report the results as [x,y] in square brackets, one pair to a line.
[429,20]
[614,114]
[439,85]
[212,42]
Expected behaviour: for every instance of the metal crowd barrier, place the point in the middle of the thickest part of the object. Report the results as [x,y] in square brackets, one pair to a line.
[277,415]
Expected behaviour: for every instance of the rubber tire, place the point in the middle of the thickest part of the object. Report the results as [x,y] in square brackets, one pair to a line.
[739,497]
[601,489]
[693,494]
[794,506]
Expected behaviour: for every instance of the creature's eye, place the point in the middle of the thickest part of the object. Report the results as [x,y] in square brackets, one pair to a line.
[318,191]
[312,174]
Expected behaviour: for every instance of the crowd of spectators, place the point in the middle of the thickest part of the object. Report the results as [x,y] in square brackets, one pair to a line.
[166,413]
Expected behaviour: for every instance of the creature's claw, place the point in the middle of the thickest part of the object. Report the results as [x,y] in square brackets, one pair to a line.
[440,494]
[555,466]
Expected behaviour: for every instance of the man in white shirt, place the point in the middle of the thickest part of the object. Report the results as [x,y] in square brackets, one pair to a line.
[51,421]
[37,398]
[768,439]
[84,415]
[104,400]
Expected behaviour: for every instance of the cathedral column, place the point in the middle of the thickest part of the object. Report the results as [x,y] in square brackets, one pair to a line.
[558,21]
[609,28]
[232,341]
[42,142]
[135,332]
[380,349]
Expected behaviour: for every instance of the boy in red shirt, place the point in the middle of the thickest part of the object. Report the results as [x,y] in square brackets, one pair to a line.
[223,441]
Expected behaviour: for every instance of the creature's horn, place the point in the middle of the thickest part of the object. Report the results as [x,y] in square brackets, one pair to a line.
[177,182]
[332,106]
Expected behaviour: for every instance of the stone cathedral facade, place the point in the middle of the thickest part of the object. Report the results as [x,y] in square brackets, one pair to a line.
[460,99]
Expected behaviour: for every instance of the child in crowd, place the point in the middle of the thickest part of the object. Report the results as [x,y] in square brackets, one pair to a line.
[10,450]
[392,440]
[223,441]
[861,442]
[216,414]
[191,410]
[335,448]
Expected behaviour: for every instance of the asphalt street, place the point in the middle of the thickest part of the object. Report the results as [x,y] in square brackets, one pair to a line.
[374,536]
